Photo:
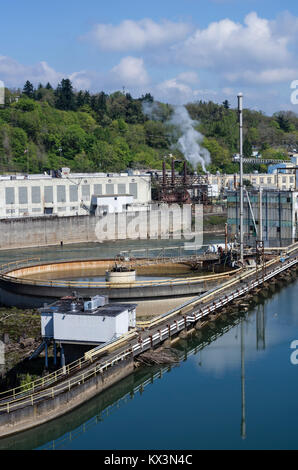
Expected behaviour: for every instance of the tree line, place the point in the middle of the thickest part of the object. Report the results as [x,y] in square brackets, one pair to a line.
[46,128]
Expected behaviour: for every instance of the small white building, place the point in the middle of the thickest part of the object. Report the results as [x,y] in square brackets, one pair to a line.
[107,204]
[74,322]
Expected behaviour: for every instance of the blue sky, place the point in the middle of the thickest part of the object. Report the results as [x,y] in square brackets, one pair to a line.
[180,51]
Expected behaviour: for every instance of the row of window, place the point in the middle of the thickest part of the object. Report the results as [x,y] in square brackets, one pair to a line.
[263,180]
[61,193]
[25,210]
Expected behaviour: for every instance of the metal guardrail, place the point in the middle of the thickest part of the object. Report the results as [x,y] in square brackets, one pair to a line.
[106,412]
[110,285]
[17,264]
[23,390]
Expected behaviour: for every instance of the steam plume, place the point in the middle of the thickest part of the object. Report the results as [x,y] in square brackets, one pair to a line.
[189,142]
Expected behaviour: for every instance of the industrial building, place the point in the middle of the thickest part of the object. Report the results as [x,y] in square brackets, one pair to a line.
[269,215]
[77,325]
[279,176]
[67,194]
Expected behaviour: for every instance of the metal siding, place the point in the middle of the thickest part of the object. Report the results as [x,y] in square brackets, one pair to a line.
[97,189]
[121,188]
[133,190]
[9,196]
[61,194]
[48,194]
[23,195]
[73,193]
[86,191]
[110,189]
[84,328]
[35,194]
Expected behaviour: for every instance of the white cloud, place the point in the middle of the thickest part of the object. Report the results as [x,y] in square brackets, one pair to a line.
[231,45]
[136,35]
[81,80]
[15,74]
[130,72]
[189,77]
[178,90]
[269,76]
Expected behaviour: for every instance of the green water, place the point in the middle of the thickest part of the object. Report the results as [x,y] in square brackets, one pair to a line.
[235,388]
[104,250]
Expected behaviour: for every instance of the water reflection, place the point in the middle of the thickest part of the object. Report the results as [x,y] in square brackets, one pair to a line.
[102,407]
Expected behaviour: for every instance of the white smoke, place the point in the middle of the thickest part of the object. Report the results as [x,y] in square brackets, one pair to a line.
[189,142]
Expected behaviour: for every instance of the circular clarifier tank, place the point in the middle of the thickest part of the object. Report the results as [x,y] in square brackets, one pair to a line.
[32,285]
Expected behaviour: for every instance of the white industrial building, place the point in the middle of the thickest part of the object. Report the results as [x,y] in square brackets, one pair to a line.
[101,205]
[69,194]
[283,179]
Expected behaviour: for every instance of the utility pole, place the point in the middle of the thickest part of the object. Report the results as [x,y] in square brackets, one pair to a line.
[240,110]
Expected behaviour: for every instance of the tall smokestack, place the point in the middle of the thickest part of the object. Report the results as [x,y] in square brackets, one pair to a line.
[164,177]
[173,172]
[184,172]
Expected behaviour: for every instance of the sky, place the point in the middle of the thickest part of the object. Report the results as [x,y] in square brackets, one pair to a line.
[178,50]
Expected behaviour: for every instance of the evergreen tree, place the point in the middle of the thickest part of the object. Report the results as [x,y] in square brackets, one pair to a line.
[80,99]
[247,148]
[28,89]
[49,86]
[38,92]
[87,97]
[147,97]
[93,103]
[65,98]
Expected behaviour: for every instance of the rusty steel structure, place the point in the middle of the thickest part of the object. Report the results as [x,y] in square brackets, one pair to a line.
[182,189]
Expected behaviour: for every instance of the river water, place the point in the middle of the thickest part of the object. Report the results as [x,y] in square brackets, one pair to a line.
[235,388]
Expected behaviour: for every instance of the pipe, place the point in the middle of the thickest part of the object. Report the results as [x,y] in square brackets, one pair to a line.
[173,172]
[260,214]
[240,109]
[164,177]
[184,172]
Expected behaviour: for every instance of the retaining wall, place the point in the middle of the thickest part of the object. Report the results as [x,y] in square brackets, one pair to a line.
[30,232]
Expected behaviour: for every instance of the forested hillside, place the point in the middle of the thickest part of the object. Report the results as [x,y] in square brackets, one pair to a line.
[48,128]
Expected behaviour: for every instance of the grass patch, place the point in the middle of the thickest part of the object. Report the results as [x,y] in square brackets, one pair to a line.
[215,220]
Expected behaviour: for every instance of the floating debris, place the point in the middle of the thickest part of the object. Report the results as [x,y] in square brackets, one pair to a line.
[158,356]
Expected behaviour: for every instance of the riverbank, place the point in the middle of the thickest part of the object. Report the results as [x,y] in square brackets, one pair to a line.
[20,335]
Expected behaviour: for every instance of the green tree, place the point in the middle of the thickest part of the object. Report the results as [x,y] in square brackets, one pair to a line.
[65,98]
[28,89]
[73,141]
[247,148]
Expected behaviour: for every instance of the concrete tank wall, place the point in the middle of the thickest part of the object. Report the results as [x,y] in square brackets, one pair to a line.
[52,230]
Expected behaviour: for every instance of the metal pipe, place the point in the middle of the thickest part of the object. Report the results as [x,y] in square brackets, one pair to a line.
[46,356]
[164,178]
[261,214]
[173,172]
[55,353]
[184,172]
[240,110]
